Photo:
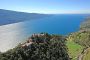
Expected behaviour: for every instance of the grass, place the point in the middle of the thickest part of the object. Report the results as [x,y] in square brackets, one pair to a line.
[74,49]
[87,55]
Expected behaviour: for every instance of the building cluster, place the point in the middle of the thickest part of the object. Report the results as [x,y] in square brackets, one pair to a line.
[30,40]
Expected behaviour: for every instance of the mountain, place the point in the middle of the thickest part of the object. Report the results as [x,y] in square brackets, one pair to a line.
[8,16]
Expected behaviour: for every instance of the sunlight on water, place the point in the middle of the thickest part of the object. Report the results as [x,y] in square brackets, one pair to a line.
[10,36]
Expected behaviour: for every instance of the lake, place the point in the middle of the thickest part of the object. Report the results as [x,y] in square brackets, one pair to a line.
[13,34]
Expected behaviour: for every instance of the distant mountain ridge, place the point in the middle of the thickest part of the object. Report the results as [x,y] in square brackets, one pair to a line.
[8,16]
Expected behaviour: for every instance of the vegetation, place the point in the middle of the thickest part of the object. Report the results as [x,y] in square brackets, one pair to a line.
[85,25]
[74,49]
[82,38]
[87,55]
[52,48]
[79,42]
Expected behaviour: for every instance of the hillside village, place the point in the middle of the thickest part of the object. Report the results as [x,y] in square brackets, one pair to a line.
[31,40]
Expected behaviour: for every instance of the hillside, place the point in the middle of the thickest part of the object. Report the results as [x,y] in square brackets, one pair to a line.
[78,43]
[8,16]
[43,46]
[87,55]
[39,47]
[85,25]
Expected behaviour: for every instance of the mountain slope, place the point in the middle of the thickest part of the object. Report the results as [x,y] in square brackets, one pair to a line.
[8,17]
[85,25]
[78,42]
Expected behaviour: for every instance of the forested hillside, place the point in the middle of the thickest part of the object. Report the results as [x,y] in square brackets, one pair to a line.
[39,47]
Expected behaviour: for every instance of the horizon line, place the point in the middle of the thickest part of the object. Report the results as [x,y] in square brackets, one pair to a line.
[43,12]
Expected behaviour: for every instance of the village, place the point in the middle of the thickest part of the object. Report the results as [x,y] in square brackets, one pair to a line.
[31,41]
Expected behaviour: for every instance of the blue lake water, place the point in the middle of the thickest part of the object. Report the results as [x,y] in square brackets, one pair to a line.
[13,34]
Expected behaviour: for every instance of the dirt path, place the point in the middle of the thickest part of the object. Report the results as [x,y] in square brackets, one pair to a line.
[80,57]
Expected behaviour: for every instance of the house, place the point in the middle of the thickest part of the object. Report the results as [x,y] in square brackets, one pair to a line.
[31,41]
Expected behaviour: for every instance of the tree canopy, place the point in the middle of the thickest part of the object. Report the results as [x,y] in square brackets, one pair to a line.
[53,49]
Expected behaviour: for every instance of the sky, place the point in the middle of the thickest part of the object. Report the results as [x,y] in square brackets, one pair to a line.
[47,6]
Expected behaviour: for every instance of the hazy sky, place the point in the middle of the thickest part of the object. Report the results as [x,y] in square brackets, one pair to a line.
[47,6]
